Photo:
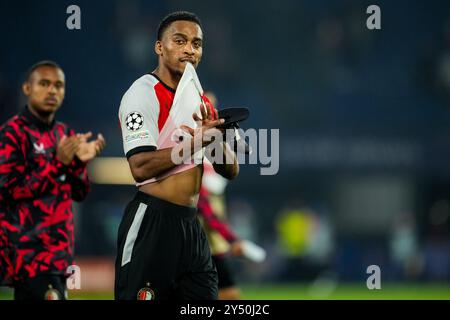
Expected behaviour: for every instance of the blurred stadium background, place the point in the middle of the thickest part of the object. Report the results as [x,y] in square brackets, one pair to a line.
[364,119]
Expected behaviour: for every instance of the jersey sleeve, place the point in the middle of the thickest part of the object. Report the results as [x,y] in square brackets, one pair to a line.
[138,117]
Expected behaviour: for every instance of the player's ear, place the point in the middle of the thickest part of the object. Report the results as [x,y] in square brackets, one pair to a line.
[158,47]
[26,88]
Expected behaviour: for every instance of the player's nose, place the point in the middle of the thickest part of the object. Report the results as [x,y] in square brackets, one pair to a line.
[189,48]
[52,89]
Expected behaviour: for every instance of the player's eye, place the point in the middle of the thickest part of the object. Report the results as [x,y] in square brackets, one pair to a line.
[179,41]
[197,44]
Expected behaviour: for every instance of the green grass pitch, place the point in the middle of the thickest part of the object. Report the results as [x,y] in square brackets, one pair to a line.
[309,292]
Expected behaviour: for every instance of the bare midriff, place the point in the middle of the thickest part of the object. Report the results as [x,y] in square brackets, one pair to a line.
[181,188]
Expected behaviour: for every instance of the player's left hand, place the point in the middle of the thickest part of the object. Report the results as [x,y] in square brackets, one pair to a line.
[207,123]
[89,150]
[209,115]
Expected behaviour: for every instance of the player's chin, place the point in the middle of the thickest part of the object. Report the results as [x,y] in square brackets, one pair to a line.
[50,107]
[178,69]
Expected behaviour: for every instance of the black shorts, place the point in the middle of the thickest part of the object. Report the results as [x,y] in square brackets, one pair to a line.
[163,253]
[226,279]
[41,287]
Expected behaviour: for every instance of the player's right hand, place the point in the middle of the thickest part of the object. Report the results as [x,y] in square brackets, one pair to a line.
[67,147]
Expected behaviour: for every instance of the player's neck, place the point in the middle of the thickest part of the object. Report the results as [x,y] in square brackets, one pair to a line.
[169,78]
[46,118]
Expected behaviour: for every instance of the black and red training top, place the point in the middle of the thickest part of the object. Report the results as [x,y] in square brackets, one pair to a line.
[36,193]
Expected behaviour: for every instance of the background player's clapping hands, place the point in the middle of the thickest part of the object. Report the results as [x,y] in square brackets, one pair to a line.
[79,145]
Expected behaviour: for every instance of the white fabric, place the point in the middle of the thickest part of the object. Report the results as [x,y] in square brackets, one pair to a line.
[212,181]
[187,100]
[132,234]
[141,98]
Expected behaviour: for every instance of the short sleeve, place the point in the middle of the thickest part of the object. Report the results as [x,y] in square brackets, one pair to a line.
[138,117]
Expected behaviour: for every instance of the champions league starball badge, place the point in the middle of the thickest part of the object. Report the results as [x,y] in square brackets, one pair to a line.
[134,121]
[146,293]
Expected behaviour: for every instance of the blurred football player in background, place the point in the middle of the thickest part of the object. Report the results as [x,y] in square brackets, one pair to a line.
[223,241]
[43,169]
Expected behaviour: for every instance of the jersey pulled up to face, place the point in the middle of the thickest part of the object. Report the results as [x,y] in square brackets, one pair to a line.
[151,115]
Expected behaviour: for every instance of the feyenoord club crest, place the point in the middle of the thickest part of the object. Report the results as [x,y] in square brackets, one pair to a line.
[146,293]
[51,294]
[134,121]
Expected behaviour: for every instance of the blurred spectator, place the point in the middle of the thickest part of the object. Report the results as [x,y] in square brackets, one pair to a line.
[404,249]
[304,238]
